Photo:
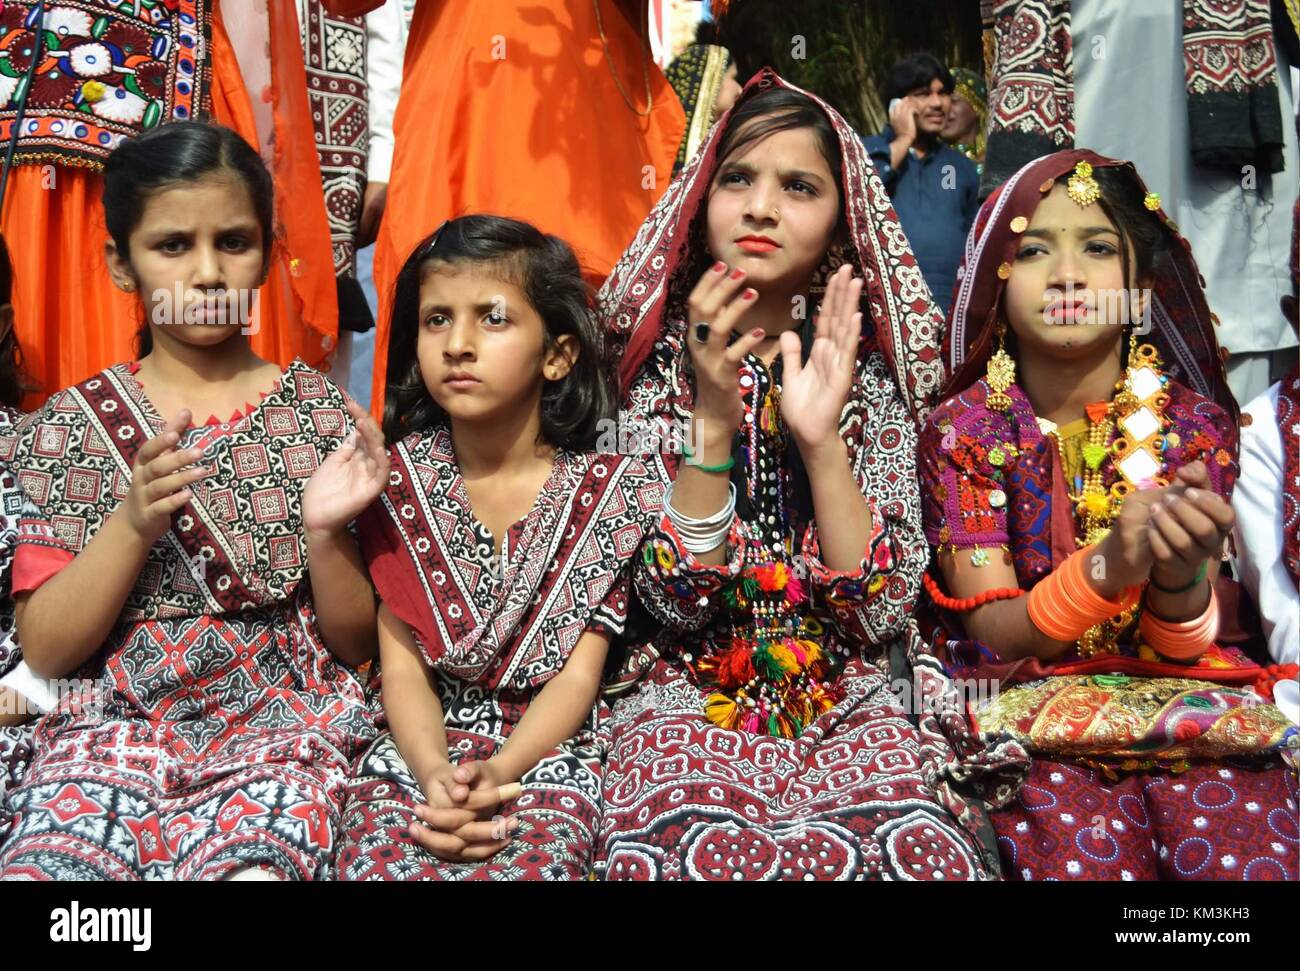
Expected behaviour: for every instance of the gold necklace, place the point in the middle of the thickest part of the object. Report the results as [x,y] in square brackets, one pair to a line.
[642,35]
[1095,508]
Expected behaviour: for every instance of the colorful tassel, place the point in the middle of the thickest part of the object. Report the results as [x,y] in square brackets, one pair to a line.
[722,711]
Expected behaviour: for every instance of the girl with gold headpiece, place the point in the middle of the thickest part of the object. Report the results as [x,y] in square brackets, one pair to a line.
[1077,484]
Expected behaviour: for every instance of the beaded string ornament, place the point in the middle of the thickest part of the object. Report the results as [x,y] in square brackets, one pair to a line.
[771,675]
[1136,455]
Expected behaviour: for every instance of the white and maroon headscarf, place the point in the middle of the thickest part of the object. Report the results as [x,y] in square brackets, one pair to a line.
[638,299]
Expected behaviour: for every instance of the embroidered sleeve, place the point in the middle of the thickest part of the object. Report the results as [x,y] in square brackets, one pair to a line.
[1201,431]
[871,604]
[62,503]
[849,594]
[610,615]
[15,505]
[963,494]
[674,586]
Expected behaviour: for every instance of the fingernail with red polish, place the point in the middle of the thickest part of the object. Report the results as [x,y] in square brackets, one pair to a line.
[719,266]
[750,294]
[737,273]
[756,332]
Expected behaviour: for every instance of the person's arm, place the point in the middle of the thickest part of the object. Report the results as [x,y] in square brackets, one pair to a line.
[349,479]
[24,696]
[870,603]
[64,621]
[715,308]
[1257,501]
[903,122]
[1187,532]
[561,708]
[410,697]
[813,396]
[385,48]
[342,596]
[971,202]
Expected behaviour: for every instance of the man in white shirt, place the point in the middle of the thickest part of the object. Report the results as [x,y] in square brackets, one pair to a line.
[1267,497]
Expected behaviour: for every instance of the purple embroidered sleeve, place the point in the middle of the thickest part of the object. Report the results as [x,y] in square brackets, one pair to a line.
[674,586]
[965,505]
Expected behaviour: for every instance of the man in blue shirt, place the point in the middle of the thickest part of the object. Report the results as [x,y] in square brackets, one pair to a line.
[934,188]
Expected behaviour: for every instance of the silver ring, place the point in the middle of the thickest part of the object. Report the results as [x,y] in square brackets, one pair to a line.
[701,335]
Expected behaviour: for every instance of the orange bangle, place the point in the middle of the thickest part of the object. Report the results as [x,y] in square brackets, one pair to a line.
[1063,604]
[1181,640]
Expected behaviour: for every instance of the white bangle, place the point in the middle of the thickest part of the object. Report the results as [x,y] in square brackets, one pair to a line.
[702,535]
[680,519]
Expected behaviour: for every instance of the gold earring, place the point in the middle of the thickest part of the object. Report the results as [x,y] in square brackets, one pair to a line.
[1001,373]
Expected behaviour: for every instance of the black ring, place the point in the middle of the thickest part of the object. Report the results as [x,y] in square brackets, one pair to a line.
[702,332]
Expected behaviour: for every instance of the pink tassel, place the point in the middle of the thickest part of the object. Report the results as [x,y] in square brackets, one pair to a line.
[794,591]
[751,723]
[798,652]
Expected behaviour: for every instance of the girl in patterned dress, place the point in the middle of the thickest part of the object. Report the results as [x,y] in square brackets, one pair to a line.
[1077,487]
[20,692]
[759,734]
[221,709]
[501,549]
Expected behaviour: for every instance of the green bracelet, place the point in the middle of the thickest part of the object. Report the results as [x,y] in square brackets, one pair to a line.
[720,467]
[1200,575]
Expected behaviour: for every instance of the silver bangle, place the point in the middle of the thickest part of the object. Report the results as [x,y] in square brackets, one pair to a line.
[702,535]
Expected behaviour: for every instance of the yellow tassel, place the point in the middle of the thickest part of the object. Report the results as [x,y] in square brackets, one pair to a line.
[1097,503]
[722,711]
[784,657]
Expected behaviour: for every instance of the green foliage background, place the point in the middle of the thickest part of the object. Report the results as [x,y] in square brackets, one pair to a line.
[850,45]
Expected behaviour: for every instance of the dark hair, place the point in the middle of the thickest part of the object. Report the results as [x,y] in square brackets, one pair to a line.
[547,271]
[6,275]
[14,383]
[180,151]
[916,71]
[1122,199]
[756,117]
[775,110]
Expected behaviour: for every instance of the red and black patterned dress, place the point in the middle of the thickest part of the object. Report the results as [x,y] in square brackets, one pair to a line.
[220,729]
[15,740]
[495,630]
[862,790]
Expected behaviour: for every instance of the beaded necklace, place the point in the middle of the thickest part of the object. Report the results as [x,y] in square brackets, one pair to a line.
[770,674]
[1137,458]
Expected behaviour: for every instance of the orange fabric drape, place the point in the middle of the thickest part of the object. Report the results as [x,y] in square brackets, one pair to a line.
[510,108]
[69,318]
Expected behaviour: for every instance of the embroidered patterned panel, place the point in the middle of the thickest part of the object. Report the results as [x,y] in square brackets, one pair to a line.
[1117,717]
[238,543]
[563,571]
[335,52]
[108,71]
